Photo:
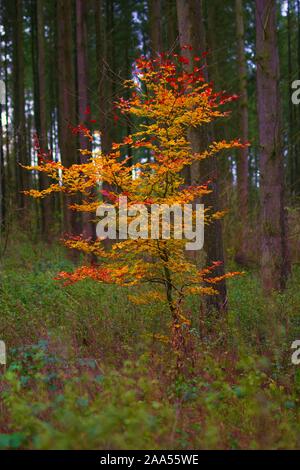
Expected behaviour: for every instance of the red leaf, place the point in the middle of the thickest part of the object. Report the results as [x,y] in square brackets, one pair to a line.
[184,60]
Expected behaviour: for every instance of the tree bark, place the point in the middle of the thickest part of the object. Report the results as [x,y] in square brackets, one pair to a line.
[46,211]
[2,177]
[22,178]
[172,26]
[66,99]
[104,48]
[2,166]
[82,93]
[215,46]
[292,148]
[192,32]
[241,255]
[297,111]
[156,36]
[104,25]
[274,251]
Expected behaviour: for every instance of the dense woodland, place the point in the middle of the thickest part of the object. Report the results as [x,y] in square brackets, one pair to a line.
[87,367]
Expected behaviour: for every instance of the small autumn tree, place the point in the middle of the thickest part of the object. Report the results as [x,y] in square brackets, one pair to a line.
[165,102]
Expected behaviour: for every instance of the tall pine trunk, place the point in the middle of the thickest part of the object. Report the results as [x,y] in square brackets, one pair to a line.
[274,252]
[104,26]
[2,166]
[192,32]
[104,23]
[172,26]
[22,179]
[82,93]
[46,211]
[242,160]
[297,111]
[66,100]
[292,150]
[155,19]
[2,177]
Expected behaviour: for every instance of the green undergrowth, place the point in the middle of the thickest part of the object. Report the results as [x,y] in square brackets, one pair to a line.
[85,370]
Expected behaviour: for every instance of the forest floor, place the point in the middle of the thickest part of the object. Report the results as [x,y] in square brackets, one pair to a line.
[85,370]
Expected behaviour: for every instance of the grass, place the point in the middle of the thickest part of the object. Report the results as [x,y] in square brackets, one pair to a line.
[85,371]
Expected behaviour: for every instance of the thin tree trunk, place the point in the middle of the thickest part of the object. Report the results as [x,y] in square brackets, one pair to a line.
[2,167]
[172,26]
[242,160]
[19,109]
[274,251]
[221,129]
[66,99]
[297,112]
[82,93]
[192,32]
[292,156]
[46,212]
[7,147]
[155,16]
[104,31]
[105,62]
[2,177]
